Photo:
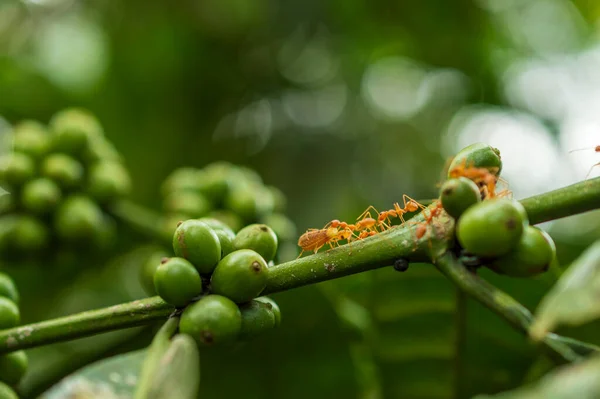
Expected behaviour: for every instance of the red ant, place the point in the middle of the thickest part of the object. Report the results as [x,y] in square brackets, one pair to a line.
[485,177]
[410,205]
[314,239]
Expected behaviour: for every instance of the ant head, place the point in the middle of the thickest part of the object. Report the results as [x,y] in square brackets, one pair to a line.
[332,232]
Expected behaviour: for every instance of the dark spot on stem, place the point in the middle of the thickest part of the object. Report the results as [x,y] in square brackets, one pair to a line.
[448,191]
[264,228]
[401,265]
[164,260]
[329,267]
[179,223]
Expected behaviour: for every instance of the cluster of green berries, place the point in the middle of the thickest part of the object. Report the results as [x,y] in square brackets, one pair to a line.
[216,277]
[494,230]
[235,195]
[12,365]
[59,180]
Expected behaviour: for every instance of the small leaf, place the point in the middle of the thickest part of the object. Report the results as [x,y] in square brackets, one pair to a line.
[156,351]
[115,377]
[575,299]
[179,372]
[574,381]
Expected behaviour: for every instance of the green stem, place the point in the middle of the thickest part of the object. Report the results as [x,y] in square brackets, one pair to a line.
[502,304]
[143,220]
[359,256]
[368,254]
[567,201]
[84,324]
[371,253]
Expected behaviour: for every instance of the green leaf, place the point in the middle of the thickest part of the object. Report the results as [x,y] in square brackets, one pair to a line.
[574,299]
[179,373]
[156,351]
[574,381]
[115,377]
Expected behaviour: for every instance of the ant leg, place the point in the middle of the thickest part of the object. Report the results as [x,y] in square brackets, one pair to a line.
[402,219]
[301,252]
[590,172]
[367,213]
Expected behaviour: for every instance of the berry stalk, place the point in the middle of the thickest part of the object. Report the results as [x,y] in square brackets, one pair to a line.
[126,315]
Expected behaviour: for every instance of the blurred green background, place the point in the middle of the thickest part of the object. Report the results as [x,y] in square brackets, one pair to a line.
[341,104]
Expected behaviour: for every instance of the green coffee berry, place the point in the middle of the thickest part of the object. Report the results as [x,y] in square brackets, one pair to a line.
[532,255]
[229,218]
[148,268]
[214,189]
[77,219]
[257,317]
[217,224]
[106,233]
[31,138]
[478,155]
[9,314]
[240,276]
[177,281]
[492,227]
[225,234]
[274,308]
[459,194]
[40,195]
[30,234]
[212,320]
[16,169]
[187,203]
[279,198]
[249,175]
[215,182]
[6,392]
[13,367]
[182,180]
[63,169]
[8,289]
[283,227]
[72,129]
[108,181]
[249,202]
[100,150]
[259,238]
[198,243]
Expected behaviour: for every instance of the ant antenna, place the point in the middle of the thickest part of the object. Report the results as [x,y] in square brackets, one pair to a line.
[596,149]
